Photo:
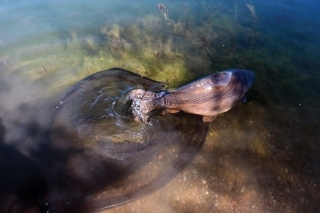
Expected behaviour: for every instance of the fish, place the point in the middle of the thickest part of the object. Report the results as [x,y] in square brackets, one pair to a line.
[208,96]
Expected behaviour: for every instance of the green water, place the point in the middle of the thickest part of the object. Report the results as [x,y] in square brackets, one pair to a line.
[272,141]
[69,41]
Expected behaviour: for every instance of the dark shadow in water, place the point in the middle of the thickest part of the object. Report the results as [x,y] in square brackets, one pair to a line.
[21,182]
[83,152]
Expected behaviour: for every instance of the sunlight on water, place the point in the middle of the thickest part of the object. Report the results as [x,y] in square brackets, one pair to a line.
[260,156]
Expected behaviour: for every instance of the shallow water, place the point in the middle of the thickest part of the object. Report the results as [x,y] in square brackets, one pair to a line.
[261,156]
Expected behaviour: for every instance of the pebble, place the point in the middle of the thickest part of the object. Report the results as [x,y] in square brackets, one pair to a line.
[252,185]
[203,181]
[242,189]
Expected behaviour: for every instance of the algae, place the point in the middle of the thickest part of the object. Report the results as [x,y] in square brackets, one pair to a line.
[198,39]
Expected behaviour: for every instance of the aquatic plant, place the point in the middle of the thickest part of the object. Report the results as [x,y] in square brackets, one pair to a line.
[177,43]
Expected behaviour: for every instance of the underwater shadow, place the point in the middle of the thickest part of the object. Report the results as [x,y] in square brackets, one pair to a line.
[74,153]
[22,185]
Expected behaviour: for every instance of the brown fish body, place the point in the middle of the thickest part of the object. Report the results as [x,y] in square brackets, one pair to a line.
[208,96]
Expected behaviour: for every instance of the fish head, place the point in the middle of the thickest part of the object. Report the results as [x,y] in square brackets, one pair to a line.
[234,84]
[220,79]
[244,77]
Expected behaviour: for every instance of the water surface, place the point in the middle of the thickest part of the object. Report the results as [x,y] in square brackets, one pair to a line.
[261,156]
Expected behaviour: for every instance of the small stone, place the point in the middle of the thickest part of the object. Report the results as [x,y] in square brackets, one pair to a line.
[252,185]
[216,204]
[194,171]
[203,181]
[242,189]
[207,192]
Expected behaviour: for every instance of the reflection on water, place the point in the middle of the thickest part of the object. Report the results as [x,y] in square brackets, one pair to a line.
[260,156]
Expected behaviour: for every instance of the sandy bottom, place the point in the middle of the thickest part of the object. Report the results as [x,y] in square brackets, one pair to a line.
[255,159]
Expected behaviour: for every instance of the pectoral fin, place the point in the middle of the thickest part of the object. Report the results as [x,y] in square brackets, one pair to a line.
[172,110]
[208,118]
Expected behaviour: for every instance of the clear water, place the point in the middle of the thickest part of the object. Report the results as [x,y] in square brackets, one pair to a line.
[261,156]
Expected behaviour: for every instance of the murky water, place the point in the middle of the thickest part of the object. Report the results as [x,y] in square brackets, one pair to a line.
[262,156]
